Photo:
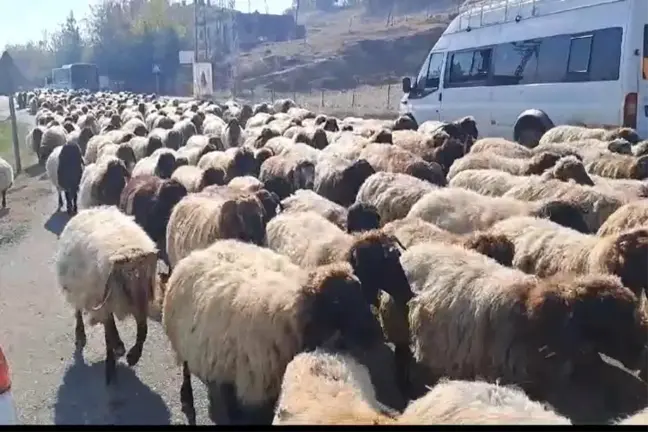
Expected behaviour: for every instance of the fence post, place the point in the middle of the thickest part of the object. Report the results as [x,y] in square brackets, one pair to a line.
[14,133]
[353,99]
[294,96]
[272,95]
[322,98]
[388,96]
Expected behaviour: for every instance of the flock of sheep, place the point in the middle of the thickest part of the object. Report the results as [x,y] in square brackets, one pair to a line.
[356,271]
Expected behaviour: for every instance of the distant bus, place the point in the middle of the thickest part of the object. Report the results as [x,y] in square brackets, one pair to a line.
[76,76]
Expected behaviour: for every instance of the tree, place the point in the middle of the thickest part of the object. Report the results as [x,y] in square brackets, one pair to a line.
[66,43]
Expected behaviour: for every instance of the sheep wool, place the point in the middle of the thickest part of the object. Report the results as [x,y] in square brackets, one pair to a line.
[306,200]
[392,194]
[322,388]
[6,179]
[477,403]
[501,147]
[104,259]
[631,215]
[536,164]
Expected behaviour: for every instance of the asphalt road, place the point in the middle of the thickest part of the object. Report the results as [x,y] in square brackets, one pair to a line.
[52,384]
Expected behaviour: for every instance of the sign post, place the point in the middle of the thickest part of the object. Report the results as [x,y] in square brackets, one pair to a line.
[156,72]
[9,78]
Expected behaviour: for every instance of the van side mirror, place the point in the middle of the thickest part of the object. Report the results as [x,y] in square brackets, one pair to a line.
[407,85]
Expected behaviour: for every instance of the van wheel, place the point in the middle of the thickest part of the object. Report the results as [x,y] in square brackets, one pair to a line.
[530,133]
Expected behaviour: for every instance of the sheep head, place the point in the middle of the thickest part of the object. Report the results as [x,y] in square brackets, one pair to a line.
[330,124]
[362,217]
[165,166]
[319,140]
[627,134]
[375,258]
[303,176]
[405,122]
[428,171]
[564,213]
[109,188]
[174,139]
[211,176]
[620,146]
[261,155]
[627,257]
[540,162]
[337,315]
[127,155]
[382,136]
[570,168]
[639,170]
[243,163]
[271,204]
[353,176]
[154,143]
[264,136]
[497,247]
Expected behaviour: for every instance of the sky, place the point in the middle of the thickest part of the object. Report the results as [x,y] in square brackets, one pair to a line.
[25,20]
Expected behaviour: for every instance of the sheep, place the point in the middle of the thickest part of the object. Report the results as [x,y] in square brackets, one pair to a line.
[246,183]
[34,139]
[597,204]
[538,242]
[233,135]
[105,266]
[193,153]
[548,330]
[195,179]
[307,200]
[392,158]
[298,172]
[150,200]
[349,145]
[64,168]
[314,137]
[171,138]
[102,183]
[638,419]
[145,146]
[619,166]
[53,137]
[392,194]
[236,161]
[587,150]
[161,163]
[328,388]
[283,105]
[339,180]
[186,129]
[640,149]
[200,219]
[627,217]
[501,147]
[412,231]
[464,130]
[6,180]
[440,148]
[95,144]
[257,138]
[135,126]
[535,165]
[122,151]
[567,133]
[265,311]
[460,402]
[489,182]
[81,138]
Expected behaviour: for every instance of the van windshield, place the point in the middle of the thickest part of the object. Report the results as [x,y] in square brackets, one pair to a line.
[645,53]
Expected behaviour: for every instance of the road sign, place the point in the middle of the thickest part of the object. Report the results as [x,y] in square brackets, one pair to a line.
[156,69]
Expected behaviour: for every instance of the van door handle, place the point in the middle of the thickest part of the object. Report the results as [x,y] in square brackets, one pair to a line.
[440,97]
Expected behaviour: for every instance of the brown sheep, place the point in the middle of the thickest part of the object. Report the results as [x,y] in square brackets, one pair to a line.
[298,172]
[392,158]
[627,217]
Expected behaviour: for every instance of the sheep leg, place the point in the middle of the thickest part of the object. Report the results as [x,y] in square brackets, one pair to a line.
[60,201]
[68,203]
[186,396]
[111,360]
[232,407]
[135,352]
[79,331]
[402,361]
[4,199]
[116,344]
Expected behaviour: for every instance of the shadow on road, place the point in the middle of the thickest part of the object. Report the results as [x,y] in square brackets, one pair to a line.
[83,398]
[57,222]
[35,170]
[4,212]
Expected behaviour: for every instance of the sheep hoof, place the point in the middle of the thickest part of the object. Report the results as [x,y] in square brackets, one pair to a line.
[133,356]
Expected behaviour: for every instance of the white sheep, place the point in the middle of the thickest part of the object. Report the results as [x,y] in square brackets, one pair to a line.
[105,266]
[236,314]
[102,182]
[477,403]
[6,180]
[307,200]
[536,164]
[323,388]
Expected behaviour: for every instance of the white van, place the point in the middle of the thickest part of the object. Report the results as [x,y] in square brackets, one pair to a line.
[521,66]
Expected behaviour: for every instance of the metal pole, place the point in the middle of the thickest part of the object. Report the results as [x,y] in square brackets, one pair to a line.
[14,130]
[157,83]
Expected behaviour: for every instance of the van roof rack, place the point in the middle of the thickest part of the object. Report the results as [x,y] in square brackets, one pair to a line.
[482,13]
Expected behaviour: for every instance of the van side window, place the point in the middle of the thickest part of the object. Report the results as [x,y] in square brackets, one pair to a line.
[580,49]
[469,68]
[606,55]
[552,59]
[434,71]
[515,63]
[645,53]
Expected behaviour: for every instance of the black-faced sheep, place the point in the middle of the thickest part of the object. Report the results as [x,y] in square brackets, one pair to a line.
[145,146]
[102,183]
[477,403]
[339,180]
[538,242]
[106,266]
[64,168]
[200,219]
[261,310]
[299,173]
[362,217]
[533,166]
[619,166]
[392,158]
[195,179]
[233,134]
[161,163]
[326,388]
[439,148]
[171,138]
[462,211]
[392,194]
[150,200]
[567,133]
[6,180]
[473,318]
[236,162]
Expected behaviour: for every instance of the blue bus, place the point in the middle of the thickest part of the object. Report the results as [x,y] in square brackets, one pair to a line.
[76,76]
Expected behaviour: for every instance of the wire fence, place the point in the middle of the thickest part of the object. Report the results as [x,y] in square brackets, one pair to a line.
[376,101]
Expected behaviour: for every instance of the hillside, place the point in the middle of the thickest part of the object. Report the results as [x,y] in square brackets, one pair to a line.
[345,49]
